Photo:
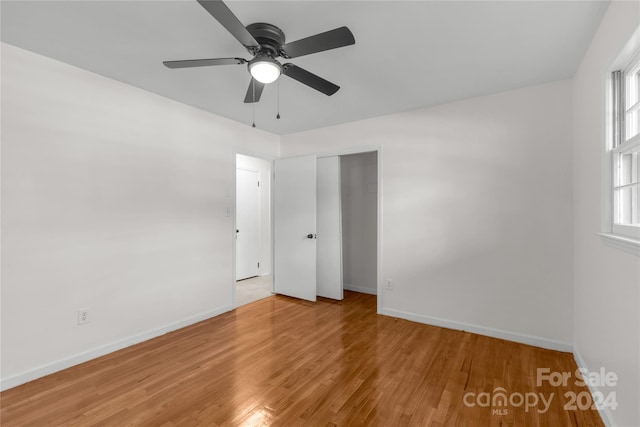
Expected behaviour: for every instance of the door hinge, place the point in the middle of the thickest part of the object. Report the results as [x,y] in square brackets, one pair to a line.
[258,183]
[258,265]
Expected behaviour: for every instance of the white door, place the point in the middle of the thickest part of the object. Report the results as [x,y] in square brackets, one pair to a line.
[294,204]
[329,245]
[247,224]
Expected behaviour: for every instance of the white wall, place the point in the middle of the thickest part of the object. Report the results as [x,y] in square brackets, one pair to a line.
[114,200]
[607,280]
[477,211]
[264,172]
[359,221]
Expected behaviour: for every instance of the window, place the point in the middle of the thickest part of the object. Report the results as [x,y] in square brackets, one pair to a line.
[625,150]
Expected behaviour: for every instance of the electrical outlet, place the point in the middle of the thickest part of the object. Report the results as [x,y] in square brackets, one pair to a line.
[389,284]
[83,316]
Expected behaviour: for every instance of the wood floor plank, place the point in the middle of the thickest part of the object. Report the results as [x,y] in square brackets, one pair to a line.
[285,362]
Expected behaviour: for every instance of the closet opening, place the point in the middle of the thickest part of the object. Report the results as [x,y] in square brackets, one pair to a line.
[359,211]
[327,224]
[347,224]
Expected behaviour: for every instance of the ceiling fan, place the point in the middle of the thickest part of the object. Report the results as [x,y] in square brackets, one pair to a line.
[266,43]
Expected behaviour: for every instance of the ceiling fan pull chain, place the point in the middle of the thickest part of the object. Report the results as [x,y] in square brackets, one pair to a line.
[278,116]
[253,104]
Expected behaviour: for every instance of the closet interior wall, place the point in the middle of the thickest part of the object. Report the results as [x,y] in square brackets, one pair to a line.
[359,185]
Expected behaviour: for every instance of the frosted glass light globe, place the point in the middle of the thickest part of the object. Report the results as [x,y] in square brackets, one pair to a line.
[265,71]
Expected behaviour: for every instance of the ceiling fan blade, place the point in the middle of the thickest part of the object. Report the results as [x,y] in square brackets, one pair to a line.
[252,96]
[187,63]
[320,42]
[223,15]
[310,79]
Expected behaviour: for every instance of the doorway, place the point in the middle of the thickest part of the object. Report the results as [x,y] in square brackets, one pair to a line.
[252,230]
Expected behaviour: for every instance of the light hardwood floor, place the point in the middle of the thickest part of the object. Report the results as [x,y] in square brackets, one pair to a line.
[284,362]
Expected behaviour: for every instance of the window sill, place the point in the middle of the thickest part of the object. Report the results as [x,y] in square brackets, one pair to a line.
[627,244]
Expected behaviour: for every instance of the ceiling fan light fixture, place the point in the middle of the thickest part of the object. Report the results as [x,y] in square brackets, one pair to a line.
[265,69]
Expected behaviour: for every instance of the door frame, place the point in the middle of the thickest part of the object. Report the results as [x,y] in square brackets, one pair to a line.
[379,150]
[233,197]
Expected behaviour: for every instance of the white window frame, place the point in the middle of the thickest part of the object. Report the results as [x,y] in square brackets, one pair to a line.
[625,237]
[630,102]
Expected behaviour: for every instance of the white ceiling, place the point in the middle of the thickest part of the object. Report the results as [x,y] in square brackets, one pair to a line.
[407,54]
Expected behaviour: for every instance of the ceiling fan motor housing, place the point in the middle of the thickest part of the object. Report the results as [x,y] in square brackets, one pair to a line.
[270,37]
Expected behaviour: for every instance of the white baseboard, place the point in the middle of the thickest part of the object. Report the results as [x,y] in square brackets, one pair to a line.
[361,289]
[482,330]
[41,371]
[605,413]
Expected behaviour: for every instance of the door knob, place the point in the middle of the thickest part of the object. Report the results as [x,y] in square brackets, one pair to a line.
[237,231]
[311,236]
